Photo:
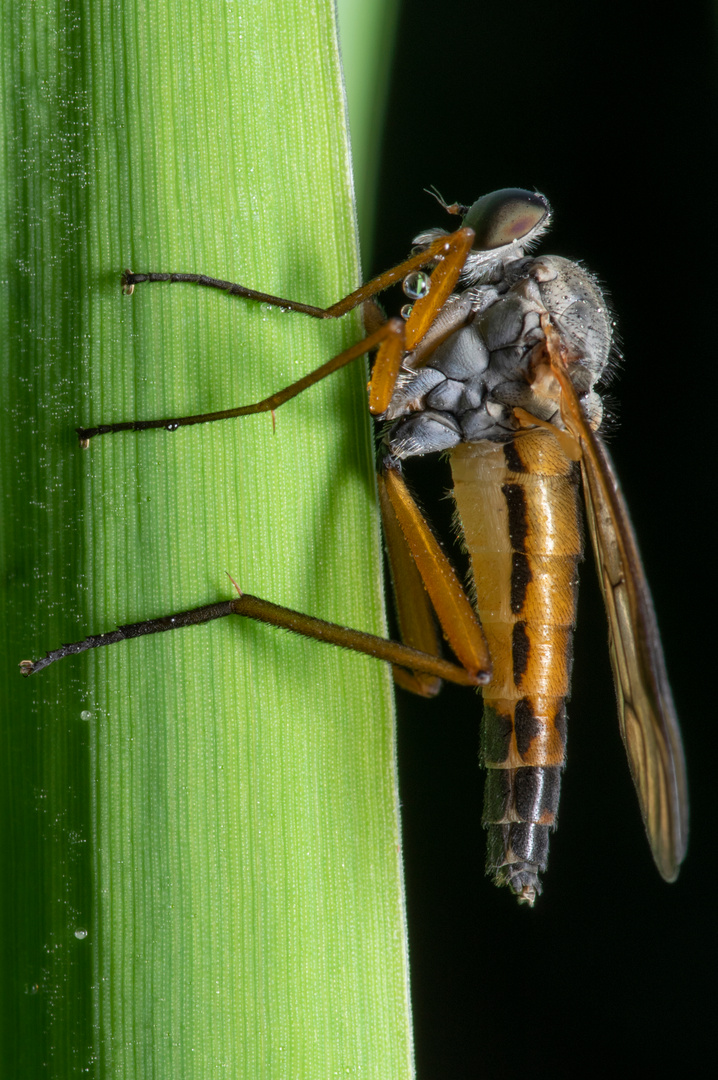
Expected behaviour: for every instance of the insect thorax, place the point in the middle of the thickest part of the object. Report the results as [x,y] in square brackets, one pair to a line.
[467,388]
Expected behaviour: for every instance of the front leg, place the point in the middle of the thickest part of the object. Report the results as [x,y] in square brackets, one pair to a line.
[445,248]
[392,338]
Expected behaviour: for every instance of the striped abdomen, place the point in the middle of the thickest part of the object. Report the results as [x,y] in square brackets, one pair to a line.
[518,504]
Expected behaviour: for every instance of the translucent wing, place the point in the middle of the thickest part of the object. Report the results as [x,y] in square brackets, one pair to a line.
[645,705]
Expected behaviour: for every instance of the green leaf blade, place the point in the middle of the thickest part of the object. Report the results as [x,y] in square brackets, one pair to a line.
[224,826]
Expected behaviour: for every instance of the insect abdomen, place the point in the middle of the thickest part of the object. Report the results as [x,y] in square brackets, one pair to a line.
[518,505]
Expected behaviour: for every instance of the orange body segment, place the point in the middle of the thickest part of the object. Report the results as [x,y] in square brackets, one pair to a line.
[518,504]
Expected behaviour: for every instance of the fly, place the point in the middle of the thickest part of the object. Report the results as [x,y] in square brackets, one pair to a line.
[496,361]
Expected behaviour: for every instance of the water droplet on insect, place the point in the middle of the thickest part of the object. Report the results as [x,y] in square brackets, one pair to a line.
[406,311]
[80,933]
[85,715]
[171,427]
[416,285]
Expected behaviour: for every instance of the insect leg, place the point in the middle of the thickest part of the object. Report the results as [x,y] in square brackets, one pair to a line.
[253,607]
[423,314]
[389,338]
[415,615]
[392,337]
[440,248]
[456,615]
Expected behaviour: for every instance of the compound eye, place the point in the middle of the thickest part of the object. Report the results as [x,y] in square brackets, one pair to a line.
[503,216]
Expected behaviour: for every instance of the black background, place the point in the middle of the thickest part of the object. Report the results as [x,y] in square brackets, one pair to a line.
[613,117]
